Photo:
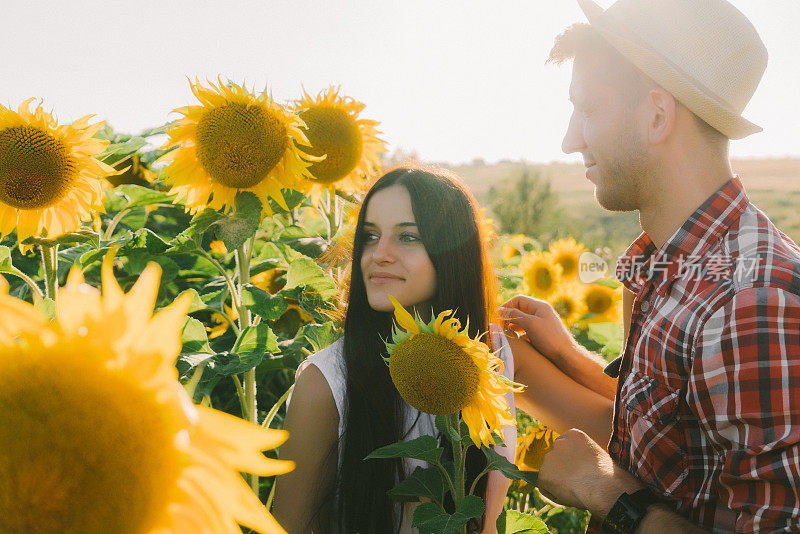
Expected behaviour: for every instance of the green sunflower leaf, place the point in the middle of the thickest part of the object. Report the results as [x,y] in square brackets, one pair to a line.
[147,240]
[262,303]
[234,230]
[500,463]
[197,303]
[130,196]
[305,271]
[427,483]
[430,519]
[513,522]
[194,337]
[5,259]
[259,338]
[422,448]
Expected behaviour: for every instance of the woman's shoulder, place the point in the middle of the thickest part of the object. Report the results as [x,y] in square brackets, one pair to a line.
[330,364]
[332,354]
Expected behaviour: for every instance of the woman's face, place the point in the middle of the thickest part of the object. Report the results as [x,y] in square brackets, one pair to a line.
[394,261]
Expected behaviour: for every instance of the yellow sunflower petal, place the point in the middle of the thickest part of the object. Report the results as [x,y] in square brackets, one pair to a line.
[404,318]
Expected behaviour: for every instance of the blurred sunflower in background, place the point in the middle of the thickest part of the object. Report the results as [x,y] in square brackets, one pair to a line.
[438,369]
[234,141]
[348,144]
[513,247]
[49,177]
[541,275]
[99,436]
[532,445]
[603,303]
[567,253]
[568,302]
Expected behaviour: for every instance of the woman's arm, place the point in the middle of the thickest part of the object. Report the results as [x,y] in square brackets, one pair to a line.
[555,399]
[497,484]
[312,422]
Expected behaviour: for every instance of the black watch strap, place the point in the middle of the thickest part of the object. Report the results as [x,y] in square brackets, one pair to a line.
[628,512]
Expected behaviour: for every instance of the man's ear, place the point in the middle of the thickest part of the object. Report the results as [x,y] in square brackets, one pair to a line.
[661,117]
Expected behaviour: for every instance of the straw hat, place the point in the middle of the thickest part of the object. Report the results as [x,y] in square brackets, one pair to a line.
[705,52]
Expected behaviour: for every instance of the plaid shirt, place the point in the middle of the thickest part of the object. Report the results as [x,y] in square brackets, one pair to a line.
[707,412]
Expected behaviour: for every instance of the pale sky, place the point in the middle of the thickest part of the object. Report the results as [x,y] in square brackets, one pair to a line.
[452,80]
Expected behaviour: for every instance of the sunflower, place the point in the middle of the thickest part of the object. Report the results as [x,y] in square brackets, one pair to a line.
[540,274]
[567,253]
[603,303]
[350,145]
[532,446]
[49,178]
[99,436]
[438,369]
[568,302]
[235,141]
[513,247]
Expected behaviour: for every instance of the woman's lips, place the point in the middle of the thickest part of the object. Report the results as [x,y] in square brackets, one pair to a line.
[382,280]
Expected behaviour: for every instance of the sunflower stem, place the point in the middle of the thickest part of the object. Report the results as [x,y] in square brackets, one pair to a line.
[273,412]
[34,287]
[224,273]
[113,224]
[458,460]
[251,412]
[191,385]
[50,266]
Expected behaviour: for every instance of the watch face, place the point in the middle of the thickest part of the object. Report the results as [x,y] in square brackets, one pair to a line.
[624,516]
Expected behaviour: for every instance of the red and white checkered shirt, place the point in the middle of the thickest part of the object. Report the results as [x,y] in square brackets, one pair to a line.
[707,412]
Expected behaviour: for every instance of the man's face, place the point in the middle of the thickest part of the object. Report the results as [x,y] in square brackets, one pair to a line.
[609,132]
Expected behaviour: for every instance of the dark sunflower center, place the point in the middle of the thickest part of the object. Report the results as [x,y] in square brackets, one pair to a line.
[543,278]
[598,302]
[433,374]
[568,265]
[36,169]
[238,145]
[332,132]
[563,306]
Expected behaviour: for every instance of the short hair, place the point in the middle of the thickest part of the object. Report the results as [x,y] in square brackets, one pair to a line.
[582,39]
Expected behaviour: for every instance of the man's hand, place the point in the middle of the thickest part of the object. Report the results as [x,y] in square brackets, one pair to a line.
[541,324]
[546,332]
[578,472]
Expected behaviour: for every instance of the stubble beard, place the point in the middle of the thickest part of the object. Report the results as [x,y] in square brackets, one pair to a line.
[622,181]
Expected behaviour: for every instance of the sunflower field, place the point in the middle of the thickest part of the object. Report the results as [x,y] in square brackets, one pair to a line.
[159,290]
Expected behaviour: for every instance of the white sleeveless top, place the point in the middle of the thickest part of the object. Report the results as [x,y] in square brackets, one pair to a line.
[330,361]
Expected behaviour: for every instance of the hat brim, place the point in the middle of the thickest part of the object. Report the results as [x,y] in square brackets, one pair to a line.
[687,91]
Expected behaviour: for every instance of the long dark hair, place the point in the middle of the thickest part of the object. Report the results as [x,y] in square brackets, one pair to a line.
[449,223]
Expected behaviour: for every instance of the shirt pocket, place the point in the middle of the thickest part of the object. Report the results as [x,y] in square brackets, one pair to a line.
[656,445]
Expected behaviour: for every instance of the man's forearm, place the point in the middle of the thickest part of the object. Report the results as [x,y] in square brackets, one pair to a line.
[548,388]
[586,368]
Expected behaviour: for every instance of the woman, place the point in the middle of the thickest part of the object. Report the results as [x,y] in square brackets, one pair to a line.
[418,238]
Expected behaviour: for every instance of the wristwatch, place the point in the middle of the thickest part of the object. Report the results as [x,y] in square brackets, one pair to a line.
[628,512]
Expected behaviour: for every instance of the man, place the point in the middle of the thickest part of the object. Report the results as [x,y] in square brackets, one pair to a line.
[701,413]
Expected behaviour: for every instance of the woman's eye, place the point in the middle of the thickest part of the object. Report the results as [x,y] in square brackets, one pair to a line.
[405,237]
[371,237]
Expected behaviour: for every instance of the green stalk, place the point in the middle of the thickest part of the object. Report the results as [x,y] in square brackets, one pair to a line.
[458,461]
[37,293]
[50,266]
[243,268]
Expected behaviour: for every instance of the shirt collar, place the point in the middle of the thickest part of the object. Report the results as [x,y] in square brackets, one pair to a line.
[696,236]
